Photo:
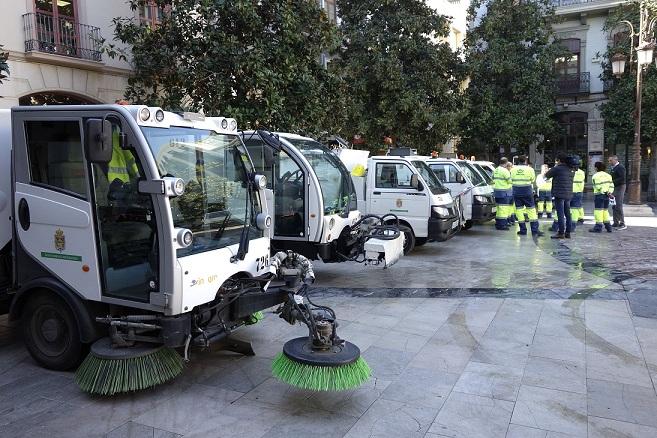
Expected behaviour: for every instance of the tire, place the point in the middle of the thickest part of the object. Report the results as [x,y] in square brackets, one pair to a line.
[51,333]
[409,241]
[419,241]
[467,225]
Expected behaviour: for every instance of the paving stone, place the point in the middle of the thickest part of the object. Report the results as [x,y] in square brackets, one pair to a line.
[617,401]
[558,325]
[516,431]
[421,387]
[554,347]
[488,380]
[354,402]
[387,418]
[387,364]
[608,362]
[405,342]
[136,430]
[555,374]
[552,410]
[447,358]
[458,334]
[499,352]
[472,416]
[605,428]
[243,376]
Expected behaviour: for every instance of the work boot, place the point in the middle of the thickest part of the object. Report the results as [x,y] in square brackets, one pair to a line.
[558,236]
[596,229]
[567,235]
[580,221]
[523,229]
[539,215]
[608,227]
[549,216]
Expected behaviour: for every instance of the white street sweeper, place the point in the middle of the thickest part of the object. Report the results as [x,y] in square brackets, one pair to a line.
[138,231]
[316,205]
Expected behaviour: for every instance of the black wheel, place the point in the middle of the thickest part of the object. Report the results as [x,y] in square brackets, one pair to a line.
[51,333]
[419,241]
[467,225]
[409,241]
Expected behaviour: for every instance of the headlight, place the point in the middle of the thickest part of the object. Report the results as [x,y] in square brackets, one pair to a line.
[261,181]
[233,125]
[224,124]
[159,115]
[440,211]
[263,221]
[144,114]
[184,238]
[482,199]
[331,223]
[179,187]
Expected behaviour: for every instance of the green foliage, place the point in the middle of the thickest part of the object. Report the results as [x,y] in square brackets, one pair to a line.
[618,111]
[4,66]
[255,61]
[510,54]
[399,79]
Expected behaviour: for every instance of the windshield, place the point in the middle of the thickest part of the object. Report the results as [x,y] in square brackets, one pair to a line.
[215,205]
[337,189]
[471,173]
[483,173]
[430,178]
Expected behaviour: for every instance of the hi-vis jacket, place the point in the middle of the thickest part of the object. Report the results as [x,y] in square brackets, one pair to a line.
[501,178]
[602,183]
[523,178]
[578,181]
[543,185]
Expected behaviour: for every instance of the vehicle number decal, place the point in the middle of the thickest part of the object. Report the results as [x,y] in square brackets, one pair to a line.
[262,263]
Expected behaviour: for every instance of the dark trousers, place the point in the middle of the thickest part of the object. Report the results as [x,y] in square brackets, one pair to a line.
[563,214]
[619,194]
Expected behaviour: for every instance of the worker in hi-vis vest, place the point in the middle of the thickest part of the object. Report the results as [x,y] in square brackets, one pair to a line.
[503,199]
[523,178]
[576,206]
[122,166]
[512,208]
[544,188]
[603,187]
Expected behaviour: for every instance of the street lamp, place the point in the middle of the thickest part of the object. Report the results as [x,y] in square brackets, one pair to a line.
[644,52]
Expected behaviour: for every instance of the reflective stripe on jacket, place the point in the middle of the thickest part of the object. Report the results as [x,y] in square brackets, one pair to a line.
[578,181]
[501,178]
[602,183]
[522,176]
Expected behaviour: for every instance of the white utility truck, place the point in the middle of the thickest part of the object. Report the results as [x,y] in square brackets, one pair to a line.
[315,204]
[148,225]
[466,183]
[406,187]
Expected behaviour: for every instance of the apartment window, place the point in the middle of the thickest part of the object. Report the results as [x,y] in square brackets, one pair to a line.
[56,8]
[150,14]
[569,65]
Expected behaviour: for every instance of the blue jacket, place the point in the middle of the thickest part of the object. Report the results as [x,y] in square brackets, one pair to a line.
[562,180]
[618,175]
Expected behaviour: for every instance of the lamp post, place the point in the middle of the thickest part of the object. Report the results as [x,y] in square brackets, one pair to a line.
[644,51]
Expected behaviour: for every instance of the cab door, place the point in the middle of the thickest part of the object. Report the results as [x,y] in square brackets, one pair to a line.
[393,193]
[448,174]
[54,216]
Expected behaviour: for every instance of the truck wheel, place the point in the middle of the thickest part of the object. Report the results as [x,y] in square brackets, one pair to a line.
[51,333]
[419,241]
[409,241]
[467,225]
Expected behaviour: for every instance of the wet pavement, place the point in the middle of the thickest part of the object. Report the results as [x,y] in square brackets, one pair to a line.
[486,335]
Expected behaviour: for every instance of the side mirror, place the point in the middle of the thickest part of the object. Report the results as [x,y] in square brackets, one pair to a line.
[460,178]
[270,139]
[98,141]
[415,182]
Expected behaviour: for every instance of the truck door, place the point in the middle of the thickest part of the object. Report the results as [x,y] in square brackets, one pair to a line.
[393,193]
[448,175]
[289,182]
[83,223]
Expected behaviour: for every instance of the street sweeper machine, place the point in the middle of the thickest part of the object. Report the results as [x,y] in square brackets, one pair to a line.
[135,235]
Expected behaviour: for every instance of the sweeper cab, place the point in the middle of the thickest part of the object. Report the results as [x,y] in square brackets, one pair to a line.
[316,204]
[146,229]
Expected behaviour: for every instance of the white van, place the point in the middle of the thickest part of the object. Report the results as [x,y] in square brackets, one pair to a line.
[466,182]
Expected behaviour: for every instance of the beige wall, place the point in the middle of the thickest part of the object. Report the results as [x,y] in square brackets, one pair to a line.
[31,72]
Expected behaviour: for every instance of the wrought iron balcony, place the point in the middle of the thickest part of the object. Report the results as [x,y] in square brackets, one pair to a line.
[579,83]
[61,36]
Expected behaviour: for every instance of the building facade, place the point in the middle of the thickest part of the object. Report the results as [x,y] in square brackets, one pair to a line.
[55,51]
[580,89]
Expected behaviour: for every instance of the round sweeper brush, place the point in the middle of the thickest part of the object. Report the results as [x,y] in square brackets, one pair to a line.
[335,369]
[108,370]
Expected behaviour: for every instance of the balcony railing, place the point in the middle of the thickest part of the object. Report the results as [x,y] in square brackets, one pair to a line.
[559,3]
[579,83]
[61,36]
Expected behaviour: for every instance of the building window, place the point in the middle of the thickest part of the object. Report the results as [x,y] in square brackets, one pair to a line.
[330,9]
[150,14]
[569,64]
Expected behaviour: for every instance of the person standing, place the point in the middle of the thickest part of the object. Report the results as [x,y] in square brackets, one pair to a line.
[509,193]
[501,186]
[523,178]
[576,206]
[619,177]
[544,188]
[562,190]
[603,187]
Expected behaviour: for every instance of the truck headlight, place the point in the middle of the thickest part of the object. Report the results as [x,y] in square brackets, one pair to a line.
[263,221]
[144,114]
[185,237]
[179,187]
[440,211]
[159,115]
[224,124]
[479,199]
[260,181]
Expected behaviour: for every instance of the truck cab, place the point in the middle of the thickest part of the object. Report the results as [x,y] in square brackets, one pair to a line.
[469,185]
[128,212]
[315,204]
[406,187]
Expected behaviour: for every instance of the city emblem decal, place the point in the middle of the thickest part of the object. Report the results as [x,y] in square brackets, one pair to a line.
[398,203]
[60,240]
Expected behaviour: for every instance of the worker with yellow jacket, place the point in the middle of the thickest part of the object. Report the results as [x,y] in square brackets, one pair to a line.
[503,197]
[576,207]
[544,189]
[603,187]
[523,178]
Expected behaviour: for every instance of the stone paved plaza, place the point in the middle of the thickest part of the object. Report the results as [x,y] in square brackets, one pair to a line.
[486,335]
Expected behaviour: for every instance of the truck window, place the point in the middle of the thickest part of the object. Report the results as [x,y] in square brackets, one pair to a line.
[446,173]
[393,176]
[55,153]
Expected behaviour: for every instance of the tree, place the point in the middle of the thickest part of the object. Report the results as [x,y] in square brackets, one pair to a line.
[399,78]
[258,62]
[510,53]
[4,66]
